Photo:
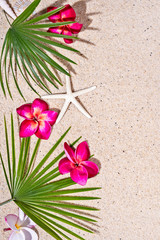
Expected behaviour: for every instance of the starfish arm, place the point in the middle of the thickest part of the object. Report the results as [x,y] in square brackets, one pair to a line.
[80,92]
[68,85]
[64,109]
[80,108]
[54,96]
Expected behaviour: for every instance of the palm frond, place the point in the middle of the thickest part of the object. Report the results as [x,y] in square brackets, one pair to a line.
[28,46]
[41,192]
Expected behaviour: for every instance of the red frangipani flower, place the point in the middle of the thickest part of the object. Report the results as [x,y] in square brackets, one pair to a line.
[38,119]
[76,163]
[66,14]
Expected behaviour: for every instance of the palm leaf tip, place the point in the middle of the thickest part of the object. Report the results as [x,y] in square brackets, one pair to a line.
[30,51]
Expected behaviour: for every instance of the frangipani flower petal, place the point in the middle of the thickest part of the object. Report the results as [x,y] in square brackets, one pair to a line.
[68,40]
[41,122]
[77,163]
[11,220]
[29,234]
[55,17]
[91,168]
[49,116]
[67,32]
[27,222]
[6,229]
[65,166]
[75,27]
[21,214]
[44,130]
[68,13]
[57,30]
[69,152]
[21,218]
[21,227]
[79,175]
[82,152]
[25,111]
[28,128]
[17,236]
[38,106]
[31,223]
[26,234]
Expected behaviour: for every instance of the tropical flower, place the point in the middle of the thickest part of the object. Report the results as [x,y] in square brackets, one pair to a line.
[76,163]
[21,227]
[66,14]
[38,119]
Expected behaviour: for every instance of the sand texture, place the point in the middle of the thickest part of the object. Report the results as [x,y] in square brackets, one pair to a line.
[120,53]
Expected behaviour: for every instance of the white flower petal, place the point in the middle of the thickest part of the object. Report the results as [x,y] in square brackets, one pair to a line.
[29,234]
[21,214]
[11,220]
[24,220]
[24,223]
[17,236]
[27,222]
[31,223]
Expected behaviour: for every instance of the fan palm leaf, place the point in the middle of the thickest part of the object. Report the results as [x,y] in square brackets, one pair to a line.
[28,46]
[41,193]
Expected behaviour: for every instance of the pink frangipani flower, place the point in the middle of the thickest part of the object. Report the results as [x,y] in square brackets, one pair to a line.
[65,15]
[76,163]
[21,227]
[38,119]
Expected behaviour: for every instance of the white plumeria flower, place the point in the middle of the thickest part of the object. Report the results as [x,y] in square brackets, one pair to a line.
[21,227]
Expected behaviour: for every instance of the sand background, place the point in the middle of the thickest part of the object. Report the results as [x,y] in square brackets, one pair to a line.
[120,45]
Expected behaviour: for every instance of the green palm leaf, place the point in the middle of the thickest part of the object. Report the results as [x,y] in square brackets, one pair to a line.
[28,46]
[41,192]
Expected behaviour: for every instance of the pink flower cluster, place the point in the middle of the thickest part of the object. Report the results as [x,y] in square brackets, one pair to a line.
[65,15]
[38,121]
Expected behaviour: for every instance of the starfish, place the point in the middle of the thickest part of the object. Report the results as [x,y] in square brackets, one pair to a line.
[70,97]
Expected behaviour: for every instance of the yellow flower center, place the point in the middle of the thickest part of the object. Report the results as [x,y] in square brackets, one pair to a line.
[17,226]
